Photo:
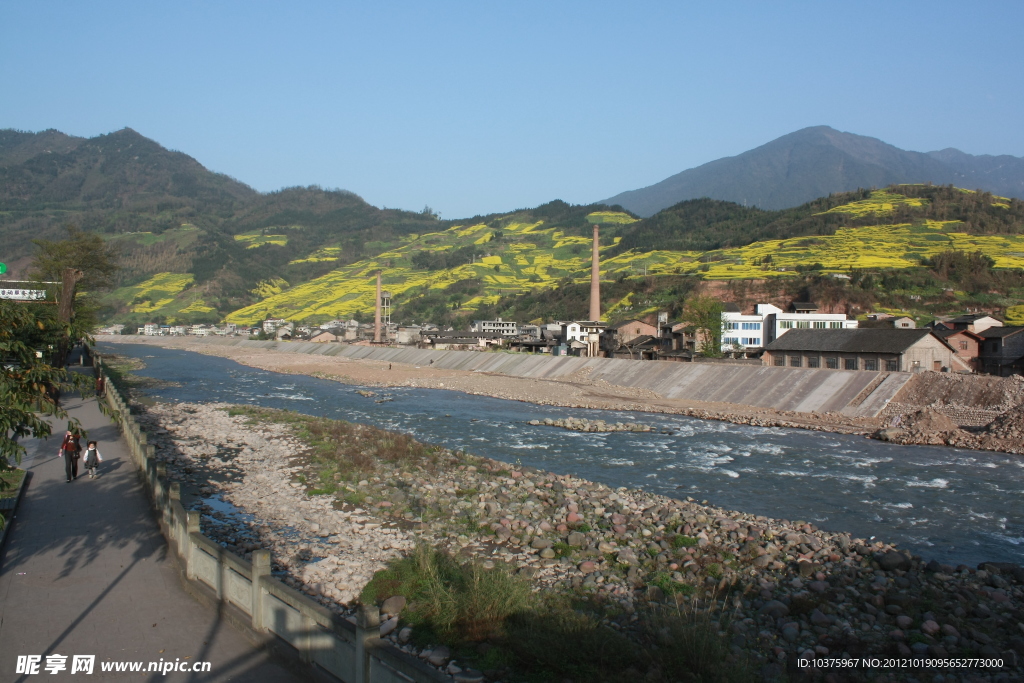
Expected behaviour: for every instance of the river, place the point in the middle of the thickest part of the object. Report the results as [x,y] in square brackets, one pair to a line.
[957,506]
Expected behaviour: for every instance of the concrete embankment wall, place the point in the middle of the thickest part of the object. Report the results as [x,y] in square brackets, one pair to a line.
[854,393]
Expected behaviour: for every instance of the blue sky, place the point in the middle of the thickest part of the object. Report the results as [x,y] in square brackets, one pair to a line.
[476,107]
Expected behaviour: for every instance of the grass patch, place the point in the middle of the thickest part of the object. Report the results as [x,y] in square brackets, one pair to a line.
[350,450]
[458,602]
[9,482]
[670,586]
[494,621]
[681,541]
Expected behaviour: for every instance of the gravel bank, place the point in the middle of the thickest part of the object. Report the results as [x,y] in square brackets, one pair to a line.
[794,590]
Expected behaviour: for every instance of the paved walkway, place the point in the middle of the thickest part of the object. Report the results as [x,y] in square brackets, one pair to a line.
[86,571]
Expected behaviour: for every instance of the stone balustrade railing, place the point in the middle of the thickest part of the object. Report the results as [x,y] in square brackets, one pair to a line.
[351,652]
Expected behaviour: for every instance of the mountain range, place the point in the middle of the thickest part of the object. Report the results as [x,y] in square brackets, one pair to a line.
[198,246]
[815,162]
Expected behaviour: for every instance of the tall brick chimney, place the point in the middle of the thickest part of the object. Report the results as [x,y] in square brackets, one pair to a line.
[595,282]
[376,314]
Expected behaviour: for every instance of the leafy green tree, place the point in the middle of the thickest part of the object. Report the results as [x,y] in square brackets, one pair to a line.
[28,379]
[704,313]
[84,251]
[83,262]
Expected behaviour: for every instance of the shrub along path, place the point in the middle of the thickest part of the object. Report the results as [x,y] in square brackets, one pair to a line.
[86,571]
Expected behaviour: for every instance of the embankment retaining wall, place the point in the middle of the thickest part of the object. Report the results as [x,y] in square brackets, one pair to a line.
[796,389]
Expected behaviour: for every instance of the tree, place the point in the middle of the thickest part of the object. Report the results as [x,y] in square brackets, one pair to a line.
[704,313]
[84,251]
[28,379]
[83,261]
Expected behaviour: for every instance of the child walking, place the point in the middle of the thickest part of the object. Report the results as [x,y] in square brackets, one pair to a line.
[92,458]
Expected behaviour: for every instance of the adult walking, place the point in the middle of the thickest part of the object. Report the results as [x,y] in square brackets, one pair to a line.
[70,450]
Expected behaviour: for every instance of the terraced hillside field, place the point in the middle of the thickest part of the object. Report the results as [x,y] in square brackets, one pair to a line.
[515,258]
[530,256]
[473,265]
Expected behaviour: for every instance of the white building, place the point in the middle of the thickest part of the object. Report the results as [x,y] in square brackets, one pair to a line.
[151,329]
[580,330]
[270,325]
[768,323]
[505,328]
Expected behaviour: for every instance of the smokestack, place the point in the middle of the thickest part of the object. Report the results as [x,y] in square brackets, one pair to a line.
[376,314]
[595,282]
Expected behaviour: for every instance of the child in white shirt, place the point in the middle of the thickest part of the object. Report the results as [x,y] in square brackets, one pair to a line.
[92,459]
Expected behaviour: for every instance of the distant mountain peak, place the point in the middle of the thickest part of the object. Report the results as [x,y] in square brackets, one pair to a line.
[817,161]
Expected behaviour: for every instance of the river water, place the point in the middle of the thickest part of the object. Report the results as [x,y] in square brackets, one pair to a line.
[949,504]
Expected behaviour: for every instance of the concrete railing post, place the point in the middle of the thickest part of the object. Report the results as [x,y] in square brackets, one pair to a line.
[189,551]
[173,494]
[260,569]
[367,637]
[305,639]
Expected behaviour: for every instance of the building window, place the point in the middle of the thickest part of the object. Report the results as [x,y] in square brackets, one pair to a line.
[892,366]
[779,360]
[837,325]
[850,363]
[963,346]
[832,363]
[751,341]
[795,361]
[871,364]
[785,324]
[803,324]
[813,362]
[820,324]
[751,326]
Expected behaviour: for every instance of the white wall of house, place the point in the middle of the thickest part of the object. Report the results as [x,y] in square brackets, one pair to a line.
[768,323]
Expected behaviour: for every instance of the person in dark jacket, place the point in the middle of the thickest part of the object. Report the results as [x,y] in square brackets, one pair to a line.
[71,450]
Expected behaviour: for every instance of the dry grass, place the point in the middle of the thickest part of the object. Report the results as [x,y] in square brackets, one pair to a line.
[351,451]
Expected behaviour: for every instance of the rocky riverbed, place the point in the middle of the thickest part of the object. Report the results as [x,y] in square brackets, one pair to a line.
[793,590]
[585,425]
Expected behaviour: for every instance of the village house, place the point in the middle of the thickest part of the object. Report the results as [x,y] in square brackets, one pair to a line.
[506,328]
[408,334]
[323,337]
[624,339]
[270,325]
[975,322]
[461,340]
[1001,351]
[873,350]
[750,332]
[965,343]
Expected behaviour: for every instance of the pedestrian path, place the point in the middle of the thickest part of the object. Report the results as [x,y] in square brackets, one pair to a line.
[86,571]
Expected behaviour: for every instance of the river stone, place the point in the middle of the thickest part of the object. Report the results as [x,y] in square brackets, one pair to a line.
[393,605]
[774,609]
[388,626]
[547,554]
[576,539]
[540,543]
[892,560]
[440,655]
